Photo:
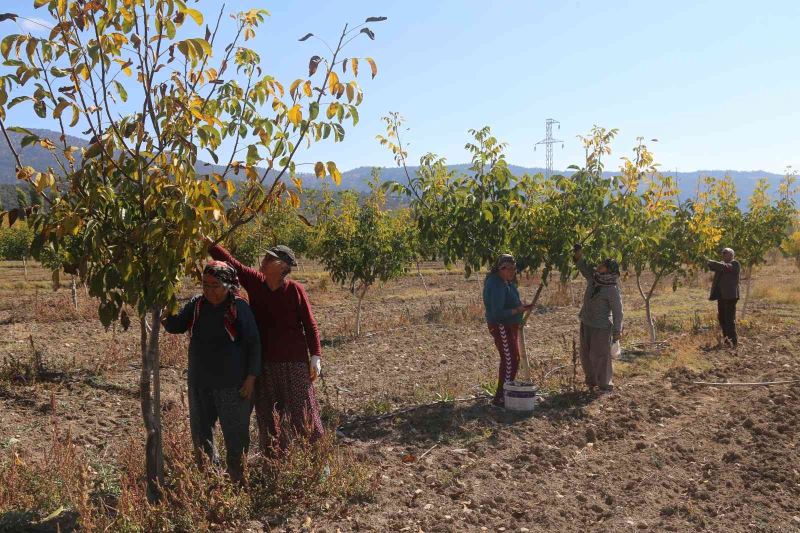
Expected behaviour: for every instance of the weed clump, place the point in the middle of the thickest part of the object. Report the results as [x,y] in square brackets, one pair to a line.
[65,490]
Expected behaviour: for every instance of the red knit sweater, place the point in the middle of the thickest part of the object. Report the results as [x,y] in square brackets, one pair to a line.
[285,321]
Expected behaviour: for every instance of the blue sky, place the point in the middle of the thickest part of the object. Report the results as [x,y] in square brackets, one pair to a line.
[717,82]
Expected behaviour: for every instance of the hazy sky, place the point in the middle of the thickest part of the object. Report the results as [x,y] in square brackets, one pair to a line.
[717,82]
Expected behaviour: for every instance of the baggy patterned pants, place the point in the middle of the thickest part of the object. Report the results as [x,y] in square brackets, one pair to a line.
[206,406]
[286,402]
[506,338]
[596,356]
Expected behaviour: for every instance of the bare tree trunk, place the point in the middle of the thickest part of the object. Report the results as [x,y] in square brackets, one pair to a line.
[651,327]
[25,267]
[362,293]
[419,271]
[524,363]
[74,290]
[747,290]
[150,397]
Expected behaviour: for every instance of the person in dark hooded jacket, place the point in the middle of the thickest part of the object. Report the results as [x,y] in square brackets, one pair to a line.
[601,320]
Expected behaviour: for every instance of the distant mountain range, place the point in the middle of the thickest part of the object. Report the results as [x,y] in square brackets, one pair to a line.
[358,178]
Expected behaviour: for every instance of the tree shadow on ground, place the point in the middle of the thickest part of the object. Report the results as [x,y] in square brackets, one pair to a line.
[27,521]
[462,422]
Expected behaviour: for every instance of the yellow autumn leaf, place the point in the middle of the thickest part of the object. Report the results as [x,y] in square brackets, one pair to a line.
[373,66]
[333,81]
[319,169]
[307,88]
[295,115]
[332,108]
[83,71]
[195,14]
[294,199]
[336,176]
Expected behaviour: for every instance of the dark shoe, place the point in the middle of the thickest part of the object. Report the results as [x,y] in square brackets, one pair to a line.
[606,389]
[497,404]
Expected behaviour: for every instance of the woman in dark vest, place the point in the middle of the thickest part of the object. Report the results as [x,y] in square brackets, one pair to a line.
[224,361]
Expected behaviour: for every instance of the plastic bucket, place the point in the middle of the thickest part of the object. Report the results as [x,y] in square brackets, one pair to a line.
[519,396]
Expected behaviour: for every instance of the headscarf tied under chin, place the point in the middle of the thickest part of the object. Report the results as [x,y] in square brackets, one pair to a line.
[607,279]
[226,275]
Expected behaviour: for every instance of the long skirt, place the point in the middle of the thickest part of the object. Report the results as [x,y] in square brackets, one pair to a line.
[286,405]
[506,339]
[596,356]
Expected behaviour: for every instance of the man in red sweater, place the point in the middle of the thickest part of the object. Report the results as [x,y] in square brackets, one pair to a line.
[289,335]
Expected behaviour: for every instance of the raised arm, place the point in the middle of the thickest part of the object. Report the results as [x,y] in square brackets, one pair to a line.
[721,266]
[180,323]
[250,337]
[584,268]
[309,323]
[248,277]
[616,311]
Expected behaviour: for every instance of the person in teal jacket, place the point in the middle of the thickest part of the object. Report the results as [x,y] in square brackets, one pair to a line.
[504,312]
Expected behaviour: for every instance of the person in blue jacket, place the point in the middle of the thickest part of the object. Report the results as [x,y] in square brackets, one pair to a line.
[504,312]
[224,360]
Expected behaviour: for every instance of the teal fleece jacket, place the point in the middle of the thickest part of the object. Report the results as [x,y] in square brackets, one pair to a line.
[499,300]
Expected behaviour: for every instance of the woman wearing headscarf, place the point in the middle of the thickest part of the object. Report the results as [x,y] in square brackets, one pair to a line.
[284,394]
[601,302]
[224,361]
[504,312]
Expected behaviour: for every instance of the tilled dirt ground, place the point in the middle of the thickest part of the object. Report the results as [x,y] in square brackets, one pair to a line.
[661,453]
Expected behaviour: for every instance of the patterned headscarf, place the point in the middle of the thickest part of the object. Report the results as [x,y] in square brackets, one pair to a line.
[226,275]
[607,279]
[224,272]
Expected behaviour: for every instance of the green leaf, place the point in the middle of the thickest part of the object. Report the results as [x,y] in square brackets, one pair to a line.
[94,150]
[62,105]
[5,44]
[252,154]
[123,94]
[313,111]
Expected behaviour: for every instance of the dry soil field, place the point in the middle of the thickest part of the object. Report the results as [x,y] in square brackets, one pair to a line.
[659,454]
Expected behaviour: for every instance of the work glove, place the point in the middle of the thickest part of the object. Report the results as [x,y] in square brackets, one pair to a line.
[316,367]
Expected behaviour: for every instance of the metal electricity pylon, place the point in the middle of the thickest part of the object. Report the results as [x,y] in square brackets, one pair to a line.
[548,143]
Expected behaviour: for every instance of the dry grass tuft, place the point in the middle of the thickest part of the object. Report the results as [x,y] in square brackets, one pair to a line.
[64,489]
[454,314]
[783,293]
[47,307]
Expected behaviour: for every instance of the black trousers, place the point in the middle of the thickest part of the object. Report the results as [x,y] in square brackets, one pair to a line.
[206,406]
[726,311]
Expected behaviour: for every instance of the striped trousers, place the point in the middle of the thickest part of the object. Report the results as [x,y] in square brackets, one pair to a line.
[506,338]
